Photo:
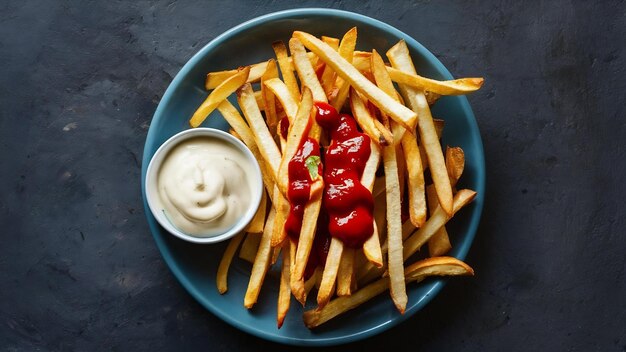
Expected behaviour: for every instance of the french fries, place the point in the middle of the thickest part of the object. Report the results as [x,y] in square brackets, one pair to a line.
[395,110]
[281,92]
[454,87]
[286,69]
[250,247]
[218,95]
[441,266]
[370,125]
[415,171]
[268,97]
[257,223]
[261,264]
[284,293]
[305,70]
[262,135]
[394,229]
[346,50]
[257,70]
[436,221]
[405,154]
[399,57]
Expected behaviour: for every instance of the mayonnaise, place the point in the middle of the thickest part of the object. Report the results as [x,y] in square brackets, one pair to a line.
[205,186]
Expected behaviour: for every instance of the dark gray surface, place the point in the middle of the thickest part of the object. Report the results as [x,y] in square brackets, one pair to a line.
[79,82]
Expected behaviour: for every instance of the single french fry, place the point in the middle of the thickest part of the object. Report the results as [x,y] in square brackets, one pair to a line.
[286,69]
[295,137]
[262,135]
[214,79]
[440,266]
[218,95]
[275,254]
[453,87]
[234,119]
[394,183]
[250,247]
[371,246]
[417,194]
[394,229]
[280,91]
[372,249]
[269,100]
[310,282]
[260,100]
[439,244]
[345,69]
[331,268]
[434,154]
[258,221]
[361,61]
[345,274]
[305,70]
[261,264]
[284,291]
[328,76]
[435,222]
[281,204]
[399,57]
[227,258]
[346,50]
[370,125]
[455,163]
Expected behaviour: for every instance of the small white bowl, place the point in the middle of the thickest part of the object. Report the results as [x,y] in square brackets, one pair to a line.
[152,186]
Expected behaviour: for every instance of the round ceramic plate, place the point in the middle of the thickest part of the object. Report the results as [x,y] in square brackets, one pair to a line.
[195,265]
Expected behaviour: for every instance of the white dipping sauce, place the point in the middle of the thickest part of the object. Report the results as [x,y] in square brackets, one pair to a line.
[205,186]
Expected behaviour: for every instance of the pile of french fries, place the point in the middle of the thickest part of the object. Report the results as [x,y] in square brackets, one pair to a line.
[405,139]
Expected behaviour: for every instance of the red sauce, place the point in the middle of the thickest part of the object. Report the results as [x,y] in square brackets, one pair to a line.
[300,185]
[348,203]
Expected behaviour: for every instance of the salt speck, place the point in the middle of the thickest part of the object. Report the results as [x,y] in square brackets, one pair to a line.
[70,126]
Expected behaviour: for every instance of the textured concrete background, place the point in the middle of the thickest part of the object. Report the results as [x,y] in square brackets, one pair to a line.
[80,80]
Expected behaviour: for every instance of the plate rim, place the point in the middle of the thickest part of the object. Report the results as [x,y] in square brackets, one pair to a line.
[435,286]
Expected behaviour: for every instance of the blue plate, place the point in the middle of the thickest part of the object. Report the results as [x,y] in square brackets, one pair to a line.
[195,266]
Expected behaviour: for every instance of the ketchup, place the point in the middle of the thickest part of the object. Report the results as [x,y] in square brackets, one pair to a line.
[300,185]
[348,203]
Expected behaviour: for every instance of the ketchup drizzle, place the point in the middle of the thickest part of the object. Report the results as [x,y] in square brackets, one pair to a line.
[348,203]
